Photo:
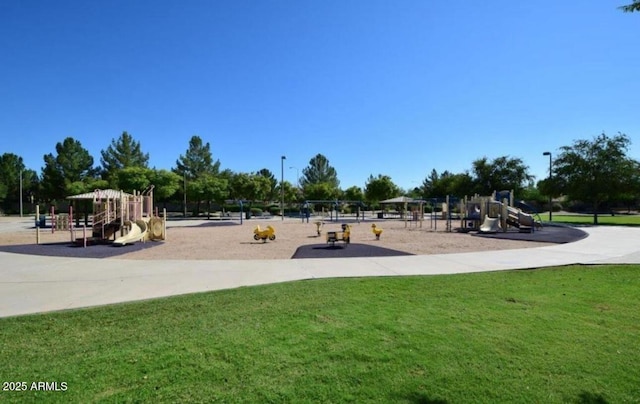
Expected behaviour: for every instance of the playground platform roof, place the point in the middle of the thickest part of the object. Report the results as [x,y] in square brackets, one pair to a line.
[100,194]
[401,199]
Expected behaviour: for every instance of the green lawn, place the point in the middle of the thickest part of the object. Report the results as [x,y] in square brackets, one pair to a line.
[557,335]
[605,219]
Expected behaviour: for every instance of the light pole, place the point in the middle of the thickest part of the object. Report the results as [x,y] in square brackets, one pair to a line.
[282,159]
[550,199]
[297,175]
[184,192]
[20,193]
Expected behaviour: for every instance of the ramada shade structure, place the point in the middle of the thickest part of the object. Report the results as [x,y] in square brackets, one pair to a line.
[100,194]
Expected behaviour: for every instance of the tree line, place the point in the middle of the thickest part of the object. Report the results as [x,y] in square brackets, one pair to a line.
[597,172]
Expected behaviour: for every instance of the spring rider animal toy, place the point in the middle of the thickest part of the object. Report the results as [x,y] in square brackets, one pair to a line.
[268,233]
[376,230]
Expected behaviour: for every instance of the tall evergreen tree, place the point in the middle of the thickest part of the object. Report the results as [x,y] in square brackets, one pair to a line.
[319,171]
[446,183]
[197,160]
[629,8]
[12,169]
[273,183]
[124,152]
[71,167]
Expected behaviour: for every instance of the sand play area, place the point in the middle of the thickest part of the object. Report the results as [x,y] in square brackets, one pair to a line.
[229,240]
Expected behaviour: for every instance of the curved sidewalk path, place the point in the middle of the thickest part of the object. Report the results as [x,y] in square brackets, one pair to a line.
[34,284]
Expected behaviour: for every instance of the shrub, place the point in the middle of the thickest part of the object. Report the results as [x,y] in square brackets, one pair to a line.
[256,212]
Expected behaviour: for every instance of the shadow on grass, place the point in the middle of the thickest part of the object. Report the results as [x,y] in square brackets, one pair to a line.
[422,398]
[591,398]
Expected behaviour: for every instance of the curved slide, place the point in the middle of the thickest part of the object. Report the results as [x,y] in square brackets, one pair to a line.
[519,217]
[138,232]
[490,225]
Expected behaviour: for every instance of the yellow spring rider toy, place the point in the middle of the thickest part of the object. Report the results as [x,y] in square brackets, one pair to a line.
[268,233]
[344,235]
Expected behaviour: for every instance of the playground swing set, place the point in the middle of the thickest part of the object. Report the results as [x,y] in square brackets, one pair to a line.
[118,218]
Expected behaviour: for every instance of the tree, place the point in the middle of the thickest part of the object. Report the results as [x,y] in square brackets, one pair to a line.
[166,184]
[635,6]
[353,193]
[273,184]
[88,185]
[11,170]
[197,160]
[503,173]
[595,171]
[440,185]
[4,191]
[133,178]
[122,153]
[319,171]
[250,187]
[380,188]
[291,193]
[631,190]
[208,188]
[72,164]
[320,191]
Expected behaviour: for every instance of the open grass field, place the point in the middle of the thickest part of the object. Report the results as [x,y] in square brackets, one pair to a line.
[566,334]
[617,220]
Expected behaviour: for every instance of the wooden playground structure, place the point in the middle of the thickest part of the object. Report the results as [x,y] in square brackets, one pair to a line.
[117,218]
[490,214]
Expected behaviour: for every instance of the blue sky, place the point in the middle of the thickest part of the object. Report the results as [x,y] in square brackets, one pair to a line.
[391,87]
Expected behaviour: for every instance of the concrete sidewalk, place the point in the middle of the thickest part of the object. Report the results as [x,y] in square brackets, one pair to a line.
[34,284]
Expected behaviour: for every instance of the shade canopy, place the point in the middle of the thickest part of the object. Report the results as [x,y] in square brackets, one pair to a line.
[400,199]
[100,194]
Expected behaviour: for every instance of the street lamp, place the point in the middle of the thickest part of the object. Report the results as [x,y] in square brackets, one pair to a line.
[282,159]
[550,199]
[184,192]
[20,193]
[297,175]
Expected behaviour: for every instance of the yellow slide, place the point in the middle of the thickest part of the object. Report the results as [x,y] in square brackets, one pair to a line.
[138,232]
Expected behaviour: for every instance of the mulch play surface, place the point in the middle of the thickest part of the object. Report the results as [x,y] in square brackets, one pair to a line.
[548,234]
[73,251]
[340,250]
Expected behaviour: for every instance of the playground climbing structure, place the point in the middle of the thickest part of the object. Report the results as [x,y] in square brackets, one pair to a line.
[130,215]
[496,213]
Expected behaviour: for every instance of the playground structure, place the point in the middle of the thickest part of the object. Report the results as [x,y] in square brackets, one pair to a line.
[413,211]
[268,233]
[333,214]
[344,235]
[117,217]
[490,214]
